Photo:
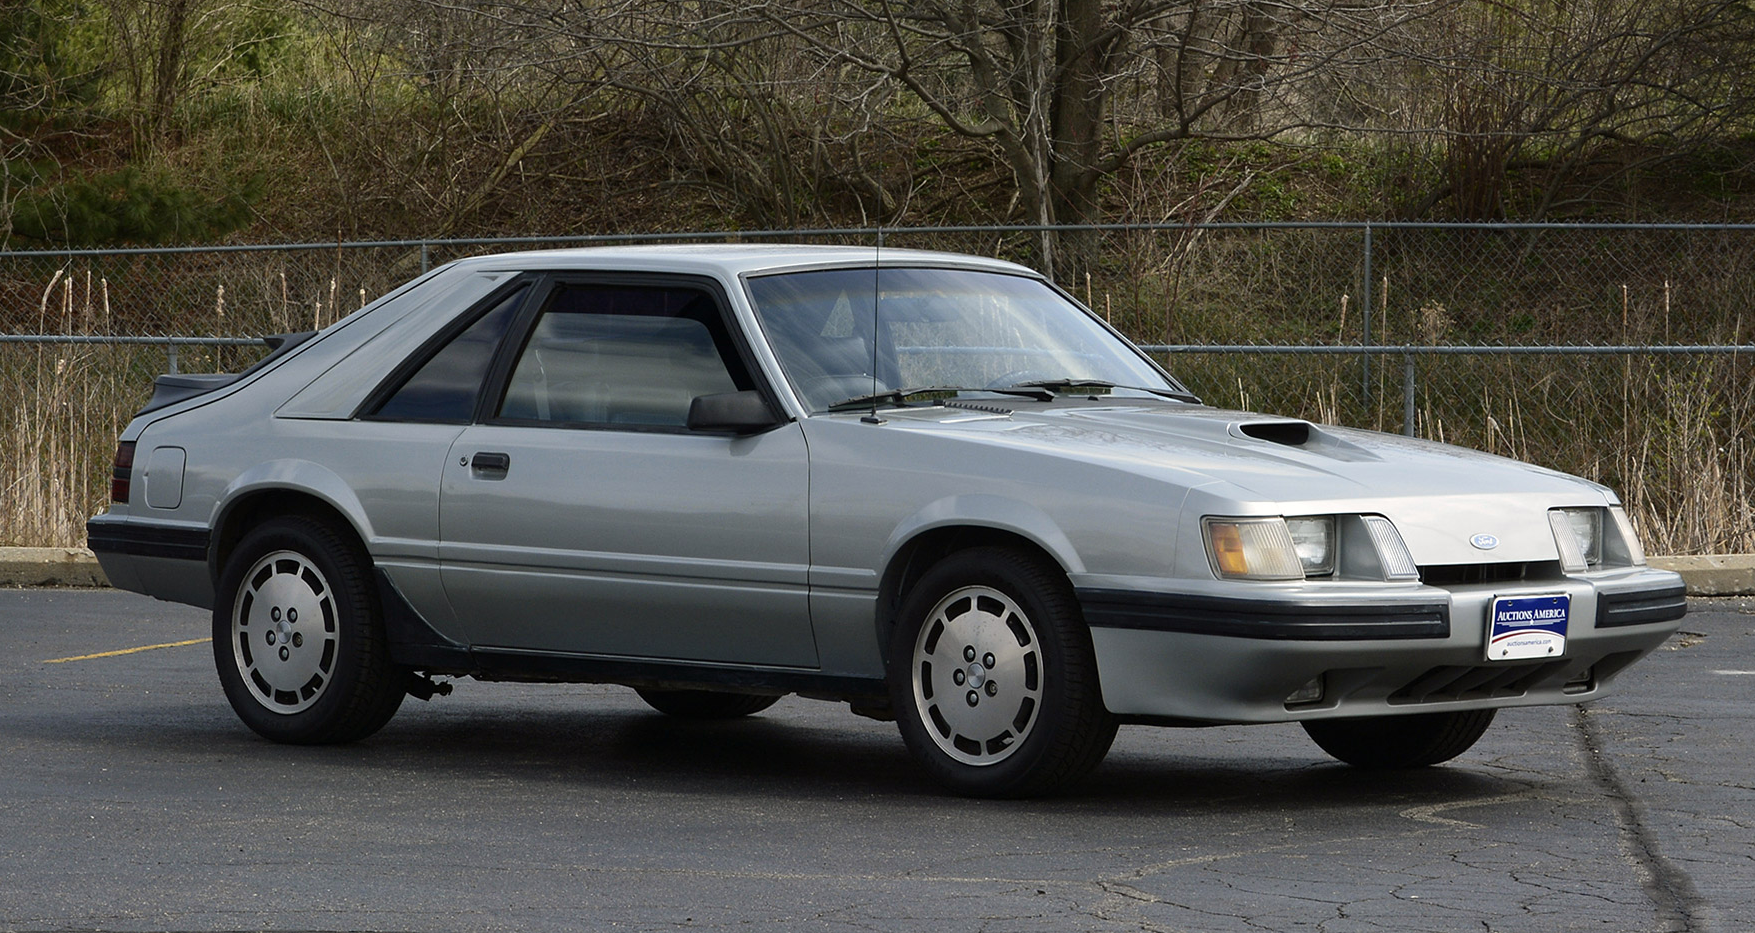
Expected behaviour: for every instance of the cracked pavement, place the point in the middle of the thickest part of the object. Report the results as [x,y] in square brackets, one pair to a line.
[131,799]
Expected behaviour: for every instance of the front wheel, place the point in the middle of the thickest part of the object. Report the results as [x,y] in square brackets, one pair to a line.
[993,677]
[1413,741]
[298,638]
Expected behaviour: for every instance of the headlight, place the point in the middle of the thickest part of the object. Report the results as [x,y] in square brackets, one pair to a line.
[1313,537]
[1252,549]
[1578,533]
[1307,547]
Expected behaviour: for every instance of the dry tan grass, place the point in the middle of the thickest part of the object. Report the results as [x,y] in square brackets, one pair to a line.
[1673,453]
[63,407]
[1671,434]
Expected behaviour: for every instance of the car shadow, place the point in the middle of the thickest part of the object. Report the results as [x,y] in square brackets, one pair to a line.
[800,755]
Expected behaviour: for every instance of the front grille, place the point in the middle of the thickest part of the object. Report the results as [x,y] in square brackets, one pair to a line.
[1476,682]
[1460,574]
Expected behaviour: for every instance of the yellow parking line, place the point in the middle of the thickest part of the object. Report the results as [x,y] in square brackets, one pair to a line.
[111,654]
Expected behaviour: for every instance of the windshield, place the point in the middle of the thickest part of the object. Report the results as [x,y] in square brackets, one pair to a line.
[944,328]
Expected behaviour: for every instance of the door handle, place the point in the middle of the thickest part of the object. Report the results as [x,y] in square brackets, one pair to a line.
[490,462]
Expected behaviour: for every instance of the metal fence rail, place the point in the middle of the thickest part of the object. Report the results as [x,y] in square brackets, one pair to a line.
[1619,352]
[1545,276]
[171,343]
[1408,354]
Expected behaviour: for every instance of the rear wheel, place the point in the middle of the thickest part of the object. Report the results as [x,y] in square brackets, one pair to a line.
[706,704]
[298,638]
[993,677]
[1414,741]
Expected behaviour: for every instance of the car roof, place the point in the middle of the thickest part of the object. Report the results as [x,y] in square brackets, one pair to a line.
[730,259]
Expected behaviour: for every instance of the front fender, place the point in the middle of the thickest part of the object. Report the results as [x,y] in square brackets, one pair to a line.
[998,513]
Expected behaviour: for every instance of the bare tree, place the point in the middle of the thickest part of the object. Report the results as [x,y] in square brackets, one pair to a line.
[1043,81]
[1553,87]
[733,105]
[40,91]
[792,111]
[149,42]
[778,100]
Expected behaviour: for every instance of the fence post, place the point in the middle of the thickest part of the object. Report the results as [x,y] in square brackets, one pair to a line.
[1408,395]
[426,257]
[1365,309]
[171,346]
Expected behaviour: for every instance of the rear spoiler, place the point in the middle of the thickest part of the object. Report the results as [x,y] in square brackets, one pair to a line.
[171,388]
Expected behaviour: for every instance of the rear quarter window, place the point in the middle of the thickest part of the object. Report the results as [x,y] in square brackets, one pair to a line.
[445,387]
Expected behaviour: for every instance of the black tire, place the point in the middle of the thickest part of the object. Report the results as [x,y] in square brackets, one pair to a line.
[1044,726]
[316,678]
[1413,741]
[706,704]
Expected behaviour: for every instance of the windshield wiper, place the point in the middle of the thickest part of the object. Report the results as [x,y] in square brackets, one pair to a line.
[1066,385]
[900,397]
[893,396]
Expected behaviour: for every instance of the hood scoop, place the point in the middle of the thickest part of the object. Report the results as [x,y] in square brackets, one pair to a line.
[1289,433]
[1303,436]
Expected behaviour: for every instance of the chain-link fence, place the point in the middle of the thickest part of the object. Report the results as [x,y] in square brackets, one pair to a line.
[1617,352]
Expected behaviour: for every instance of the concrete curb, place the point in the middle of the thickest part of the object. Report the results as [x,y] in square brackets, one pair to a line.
[1717,575]
[1713,575]
[49,566]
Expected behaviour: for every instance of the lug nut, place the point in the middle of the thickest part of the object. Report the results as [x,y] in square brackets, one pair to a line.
[298,640]
[292,615]
[274,614]
[987,660]
[993,688]
[957,677]
[968,652]
[974,698]
[271,638]
[284,654]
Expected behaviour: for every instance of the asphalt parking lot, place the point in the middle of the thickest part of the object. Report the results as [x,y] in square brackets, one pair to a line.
[132,799]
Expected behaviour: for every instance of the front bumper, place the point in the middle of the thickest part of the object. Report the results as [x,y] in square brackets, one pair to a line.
[1222,659]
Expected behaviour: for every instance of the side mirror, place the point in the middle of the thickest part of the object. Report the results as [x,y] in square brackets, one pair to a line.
[743,412]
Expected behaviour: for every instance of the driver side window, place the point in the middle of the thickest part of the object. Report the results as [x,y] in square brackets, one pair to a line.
[622,356]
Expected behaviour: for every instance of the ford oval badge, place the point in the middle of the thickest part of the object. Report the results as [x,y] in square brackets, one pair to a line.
[1484,542]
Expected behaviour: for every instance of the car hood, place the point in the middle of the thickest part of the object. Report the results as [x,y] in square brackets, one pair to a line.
[1438,495]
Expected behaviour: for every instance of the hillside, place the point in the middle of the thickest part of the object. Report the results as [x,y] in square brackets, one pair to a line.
[199,121]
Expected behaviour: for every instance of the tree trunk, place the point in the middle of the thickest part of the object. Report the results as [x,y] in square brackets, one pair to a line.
[1076,134]
[168,71]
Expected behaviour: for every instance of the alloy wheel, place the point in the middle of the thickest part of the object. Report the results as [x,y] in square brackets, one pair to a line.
[284,632]
[977,675]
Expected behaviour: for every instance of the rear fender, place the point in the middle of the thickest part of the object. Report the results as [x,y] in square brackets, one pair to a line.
[291,480]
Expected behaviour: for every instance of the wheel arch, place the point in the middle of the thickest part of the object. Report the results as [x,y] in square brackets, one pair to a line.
[296,488]
[960,524]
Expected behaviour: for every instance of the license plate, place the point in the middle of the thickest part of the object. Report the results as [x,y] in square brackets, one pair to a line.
[1525,627]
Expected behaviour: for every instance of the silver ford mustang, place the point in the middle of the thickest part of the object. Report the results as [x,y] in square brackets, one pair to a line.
[929,485]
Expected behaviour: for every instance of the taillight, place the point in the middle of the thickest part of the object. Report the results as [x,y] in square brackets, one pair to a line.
[122,472]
